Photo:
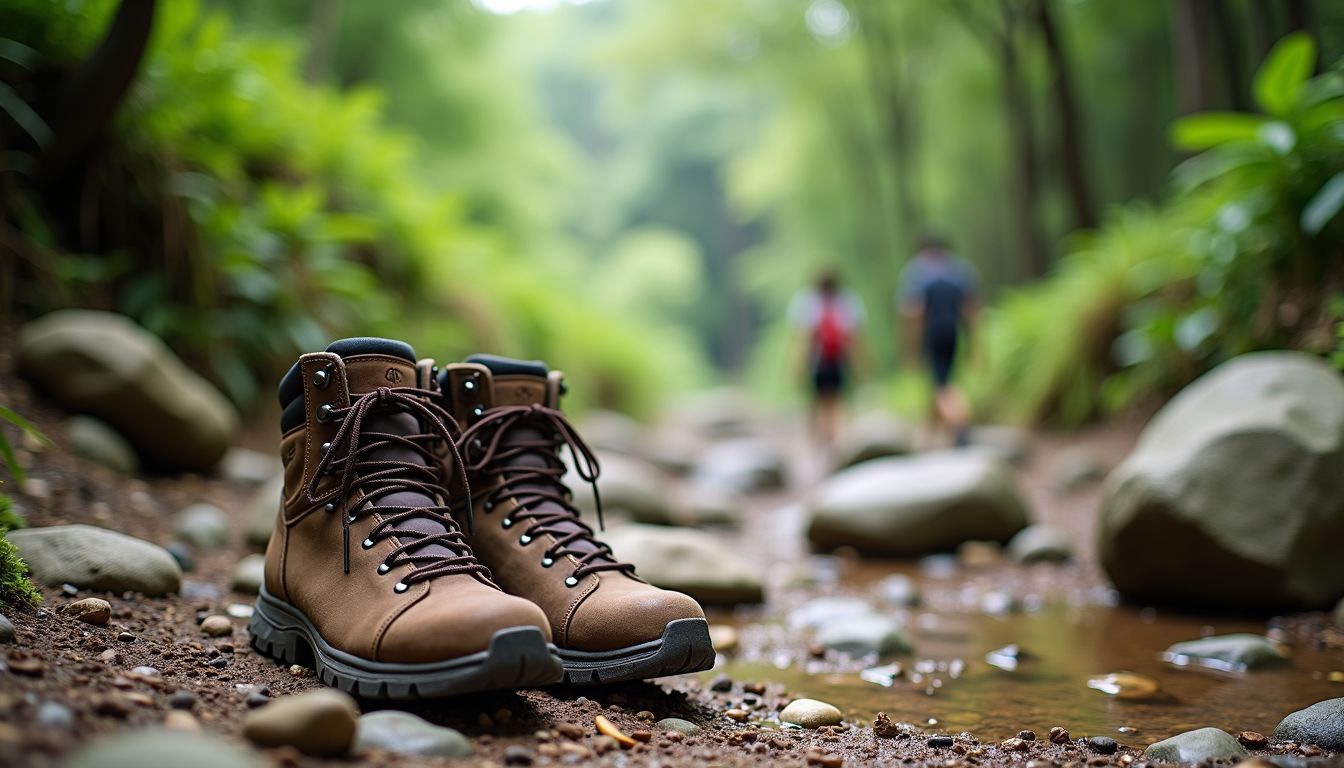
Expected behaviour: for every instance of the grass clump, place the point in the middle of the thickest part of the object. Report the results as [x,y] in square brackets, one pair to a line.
[15,588]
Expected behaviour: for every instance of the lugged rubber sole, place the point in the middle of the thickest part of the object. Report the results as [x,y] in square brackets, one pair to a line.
[518,657]
[684,647]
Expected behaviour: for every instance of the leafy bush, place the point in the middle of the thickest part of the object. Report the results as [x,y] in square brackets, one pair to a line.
[1243,256]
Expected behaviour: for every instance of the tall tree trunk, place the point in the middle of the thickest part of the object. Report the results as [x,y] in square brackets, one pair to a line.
[1025,186]
[892,99]
[1195,89]
[82,107]
[1067,124]
[1229,50]
[1263,28]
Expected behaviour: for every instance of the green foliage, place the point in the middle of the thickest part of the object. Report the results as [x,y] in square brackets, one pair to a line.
[6,451]
[15,588]
[1235,260]
[284,213]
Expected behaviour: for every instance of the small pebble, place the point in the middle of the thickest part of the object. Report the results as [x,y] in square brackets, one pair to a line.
[126,637]
[1102,745]
[810,713]
[180,720]
[219,662]
[145,672]
[736,714]
[605,744]
[1059,735]
[217,626]
[1252,740]
[517,755]
[255,698]
[1026,735]
[641,735]
[90,610]
[1014,745]
[646,716]
[69,590]
[53,714]
[296,670]
[182,700]
[940,741]
[110,656]
[721,684]
[571,731]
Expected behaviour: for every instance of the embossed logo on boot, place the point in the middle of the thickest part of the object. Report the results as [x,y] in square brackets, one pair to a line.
[393,375]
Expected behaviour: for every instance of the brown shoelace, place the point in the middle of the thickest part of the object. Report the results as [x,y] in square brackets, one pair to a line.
[492,445]
[351,455]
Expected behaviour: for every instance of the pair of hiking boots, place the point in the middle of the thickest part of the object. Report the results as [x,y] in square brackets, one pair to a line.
[427,544]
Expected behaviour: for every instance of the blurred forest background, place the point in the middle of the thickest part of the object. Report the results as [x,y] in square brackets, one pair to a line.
[633,189]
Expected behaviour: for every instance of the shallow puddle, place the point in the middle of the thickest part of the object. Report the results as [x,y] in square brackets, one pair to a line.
[1061,646]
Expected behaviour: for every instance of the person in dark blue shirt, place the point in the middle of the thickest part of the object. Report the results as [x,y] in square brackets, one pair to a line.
[939,299]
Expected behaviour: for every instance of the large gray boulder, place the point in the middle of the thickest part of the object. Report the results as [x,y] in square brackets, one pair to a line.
[906,506]
[96,558]
[743,465]
[262,509]
[689,561]
[1195,747]
[163,748]
[1321,724]
[105,365]
[1234,496]
[874,435]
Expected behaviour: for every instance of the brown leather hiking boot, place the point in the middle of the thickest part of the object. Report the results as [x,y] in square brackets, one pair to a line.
[608,624]
[367,576]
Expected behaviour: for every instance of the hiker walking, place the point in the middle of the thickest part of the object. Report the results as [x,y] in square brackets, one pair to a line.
[939,301]
[829,318]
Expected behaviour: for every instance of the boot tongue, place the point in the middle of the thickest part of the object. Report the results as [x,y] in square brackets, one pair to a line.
[524,382]
[371,363]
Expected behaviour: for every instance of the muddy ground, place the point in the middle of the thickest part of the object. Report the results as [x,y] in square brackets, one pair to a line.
[90,669]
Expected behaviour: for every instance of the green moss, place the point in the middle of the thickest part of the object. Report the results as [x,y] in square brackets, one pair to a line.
[10,519]
[15,588]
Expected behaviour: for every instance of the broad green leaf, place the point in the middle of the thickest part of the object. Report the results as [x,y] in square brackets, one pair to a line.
[1278,84]
[19,111]
[1324,206]
[1207,130]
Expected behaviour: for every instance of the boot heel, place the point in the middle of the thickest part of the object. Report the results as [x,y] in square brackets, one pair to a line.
[284,645]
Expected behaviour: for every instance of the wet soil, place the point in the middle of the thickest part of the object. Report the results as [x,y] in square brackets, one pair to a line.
[1064,617]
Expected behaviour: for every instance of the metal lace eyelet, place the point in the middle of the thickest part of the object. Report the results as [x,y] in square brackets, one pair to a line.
[434,371]
[351,517]
[524,539]
[321,378]
[570,581]
[469,385]
[478,444]
[324,448]
[383,569]
[400,587]
[489,506]
[367,543]
[506,522]
[563,388]
[547,562]
[324,412]
[330,506]
[477,412]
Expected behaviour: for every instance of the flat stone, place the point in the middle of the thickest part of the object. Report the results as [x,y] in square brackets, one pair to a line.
[1040,543]
[1102,745]
[98,559]
[104,365]
[249,574]
[244,465]
[1321,724]
[916,505]
[321,723]
[745,465]
[821,611]
[90,610]
[6,629]
[627,485]
[810,713]
[217,626]
[864,634]
[98,442]
[262,509]
[697,563]
[163,748]
[898,590]
[723,637]
[203,526]
[1227,652]
[407,734]
[1197,746]
[685,727]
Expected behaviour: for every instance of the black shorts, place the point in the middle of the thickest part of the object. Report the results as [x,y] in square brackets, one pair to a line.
[828,377]
[941,351]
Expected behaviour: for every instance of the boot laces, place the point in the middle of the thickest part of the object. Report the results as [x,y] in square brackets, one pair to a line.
[542,499]
[353,457]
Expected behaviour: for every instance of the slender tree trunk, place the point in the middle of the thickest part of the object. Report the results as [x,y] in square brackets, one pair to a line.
[892,99]
[1194,84]
[1024,187]
[1067,123]
[1233,67]
[323,27]
[1263,28]
[82,107]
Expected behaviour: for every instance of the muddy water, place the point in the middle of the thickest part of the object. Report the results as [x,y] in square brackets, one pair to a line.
[1067,633]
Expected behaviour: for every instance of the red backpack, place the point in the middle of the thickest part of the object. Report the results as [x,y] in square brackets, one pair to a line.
[831,336]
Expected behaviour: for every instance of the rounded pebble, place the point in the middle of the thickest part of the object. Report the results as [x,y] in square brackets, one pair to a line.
[810,713]
[90,610]
[1102,745]
[217,626]
[319,723]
